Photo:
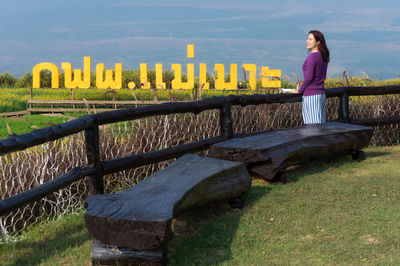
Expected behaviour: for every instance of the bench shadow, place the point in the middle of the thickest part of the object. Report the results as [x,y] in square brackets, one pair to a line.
[36,252]
[373,154]
[204,236]
[323,164]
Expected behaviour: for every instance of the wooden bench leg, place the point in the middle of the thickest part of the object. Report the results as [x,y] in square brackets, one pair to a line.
[112,255]
[358,155]
[236,203]
[281,176]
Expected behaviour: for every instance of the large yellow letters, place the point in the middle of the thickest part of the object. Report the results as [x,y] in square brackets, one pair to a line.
[144,83]
[266,74]
[77,82]
[269,78]
[203,77]
[55,79]
[220,83]
[109,81]
[189,85]
[177,81]
[190,51]
[252,69]
[159,77]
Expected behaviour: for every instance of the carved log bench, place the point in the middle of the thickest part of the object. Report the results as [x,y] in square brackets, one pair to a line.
[134,226]
[267,154]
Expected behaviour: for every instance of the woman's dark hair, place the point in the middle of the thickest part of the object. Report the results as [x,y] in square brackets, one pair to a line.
[319,37]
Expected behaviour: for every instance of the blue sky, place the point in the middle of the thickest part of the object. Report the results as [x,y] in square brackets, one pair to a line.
[361,35]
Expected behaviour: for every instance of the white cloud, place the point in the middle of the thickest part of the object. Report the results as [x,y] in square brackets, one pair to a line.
[169,21]
[6,59]
[294,57]
[216,6]
[381,46]
[292,9]
[335,69]
[68,30]
[285,18]
[270,9]
[348,25]
[240,29]
[374,12]
[154,42]
[360,20]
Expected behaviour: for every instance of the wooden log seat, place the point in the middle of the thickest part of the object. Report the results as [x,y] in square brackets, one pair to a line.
[267,154]
[140,217]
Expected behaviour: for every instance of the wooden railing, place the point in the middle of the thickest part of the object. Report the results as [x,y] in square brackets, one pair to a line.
[96,168]
[73,105]
[62,106]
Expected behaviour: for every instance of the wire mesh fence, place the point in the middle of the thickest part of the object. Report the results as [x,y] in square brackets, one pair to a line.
[25,169]
[149,134]
[362,107]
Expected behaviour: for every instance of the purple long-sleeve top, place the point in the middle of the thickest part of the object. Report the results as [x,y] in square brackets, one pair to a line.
[314,71]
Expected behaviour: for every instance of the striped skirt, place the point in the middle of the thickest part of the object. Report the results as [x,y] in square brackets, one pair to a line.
[314,109]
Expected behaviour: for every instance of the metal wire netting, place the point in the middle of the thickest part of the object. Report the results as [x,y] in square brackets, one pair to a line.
[150,134]
[29,168]
[381,106]
[23,170]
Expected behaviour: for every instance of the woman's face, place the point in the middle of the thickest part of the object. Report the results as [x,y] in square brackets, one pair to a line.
[312,44]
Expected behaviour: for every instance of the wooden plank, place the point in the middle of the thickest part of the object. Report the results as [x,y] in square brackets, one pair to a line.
[376,121]
[140,217]
[65,110]
[194,107]
[9,114]
[376,90]
[267,154]
[94,102]
[159,109]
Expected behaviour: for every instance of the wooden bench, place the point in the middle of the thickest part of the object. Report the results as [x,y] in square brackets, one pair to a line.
[269,153]
[134,225]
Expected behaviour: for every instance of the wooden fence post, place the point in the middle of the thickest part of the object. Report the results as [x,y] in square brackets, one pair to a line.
[225,118]
[72,98]
[344,109]
[96,185]
[115,100]
[30,98]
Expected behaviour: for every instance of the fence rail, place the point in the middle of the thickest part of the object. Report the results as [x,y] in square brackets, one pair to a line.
[96,168]
[49,106]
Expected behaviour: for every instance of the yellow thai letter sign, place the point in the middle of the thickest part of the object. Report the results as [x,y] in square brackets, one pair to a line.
[112,79]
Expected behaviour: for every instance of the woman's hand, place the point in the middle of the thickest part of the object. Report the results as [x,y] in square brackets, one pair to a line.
[296,91]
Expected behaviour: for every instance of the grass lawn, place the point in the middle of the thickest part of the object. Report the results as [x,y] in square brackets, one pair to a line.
[335,212]
[27,123]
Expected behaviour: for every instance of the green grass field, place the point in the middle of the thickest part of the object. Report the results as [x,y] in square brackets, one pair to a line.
[27,123]
[331,212]
[16,99]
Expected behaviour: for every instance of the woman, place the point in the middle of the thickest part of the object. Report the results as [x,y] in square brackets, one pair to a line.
[314,71]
